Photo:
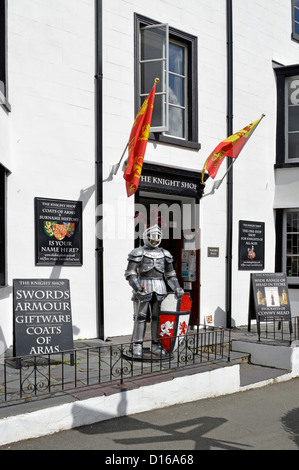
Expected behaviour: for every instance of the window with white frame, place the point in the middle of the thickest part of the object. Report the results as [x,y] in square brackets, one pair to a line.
[287,134]
[291,244]
[295,13]
[292,118]
[170,55]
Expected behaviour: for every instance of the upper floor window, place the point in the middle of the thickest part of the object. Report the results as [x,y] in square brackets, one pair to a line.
[295,7]
[170,55]
[292,119]
[287,139]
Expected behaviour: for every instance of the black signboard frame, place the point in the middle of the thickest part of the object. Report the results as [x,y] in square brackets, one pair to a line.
[58,232]
[170,180]
[251,245]
[42,317]
[269,299]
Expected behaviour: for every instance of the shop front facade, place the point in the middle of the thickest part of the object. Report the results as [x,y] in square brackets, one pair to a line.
[73,77]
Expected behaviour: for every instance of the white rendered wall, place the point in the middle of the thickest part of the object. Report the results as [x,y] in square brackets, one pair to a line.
[49,140]
[207,22]
[51,93]
[260,35]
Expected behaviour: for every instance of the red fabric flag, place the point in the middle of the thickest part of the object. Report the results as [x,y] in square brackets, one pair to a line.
[230,147]
[138,142]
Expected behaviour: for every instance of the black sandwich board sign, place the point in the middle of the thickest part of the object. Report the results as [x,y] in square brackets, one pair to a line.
[42,316]
[269,298]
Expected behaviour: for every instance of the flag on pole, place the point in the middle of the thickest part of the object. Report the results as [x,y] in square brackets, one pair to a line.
[230,147]
[138,142]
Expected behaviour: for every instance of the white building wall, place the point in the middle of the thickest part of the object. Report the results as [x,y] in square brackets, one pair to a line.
[194,17]
[49,143]
[51,93]
[261,35]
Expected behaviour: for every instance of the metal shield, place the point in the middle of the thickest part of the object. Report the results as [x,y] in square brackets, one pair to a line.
[174,320]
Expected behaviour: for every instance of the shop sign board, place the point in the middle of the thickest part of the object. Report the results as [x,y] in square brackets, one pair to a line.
[213,252]
[251,245]
[269,298]
[42,316]
[58,232]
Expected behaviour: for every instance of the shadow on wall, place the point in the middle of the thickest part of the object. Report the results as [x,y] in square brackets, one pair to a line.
[5,293]
[3,345]
[85,195]
[220,317]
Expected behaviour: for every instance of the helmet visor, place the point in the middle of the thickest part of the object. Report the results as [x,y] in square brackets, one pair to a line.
[154,238]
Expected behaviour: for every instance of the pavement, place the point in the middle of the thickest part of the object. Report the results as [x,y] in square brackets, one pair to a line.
[17,415]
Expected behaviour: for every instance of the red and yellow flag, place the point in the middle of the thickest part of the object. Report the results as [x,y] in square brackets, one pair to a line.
[138,142]
[230,147]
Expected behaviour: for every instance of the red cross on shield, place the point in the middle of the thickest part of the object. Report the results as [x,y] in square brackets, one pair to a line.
[174,320]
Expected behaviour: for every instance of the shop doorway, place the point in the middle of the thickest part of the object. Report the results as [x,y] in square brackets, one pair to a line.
[168,214]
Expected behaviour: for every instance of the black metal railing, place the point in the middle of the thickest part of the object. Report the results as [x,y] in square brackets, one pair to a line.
[31,377]
[275,329]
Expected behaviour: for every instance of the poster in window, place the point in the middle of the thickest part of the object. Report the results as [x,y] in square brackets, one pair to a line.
[58,232]
[251,245]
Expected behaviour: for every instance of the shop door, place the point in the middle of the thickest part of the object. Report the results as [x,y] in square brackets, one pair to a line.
[174,243]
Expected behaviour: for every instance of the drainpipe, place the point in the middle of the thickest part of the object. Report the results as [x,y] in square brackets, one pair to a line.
[229,211]
[99,166]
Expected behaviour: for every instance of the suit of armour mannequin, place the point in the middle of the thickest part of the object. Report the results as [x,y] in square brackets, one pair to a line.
[149,268]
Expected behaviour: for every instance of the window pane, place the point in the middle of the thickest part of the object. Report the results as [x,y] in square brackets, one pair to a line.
[293,144]
[293,118]
[153,42]
[176,90]
[296,14]
[150,71]
[176,122]
[176,59]
[293,91]
[296,3]
[296,28]
[290,226]
[293,266]
[159,111]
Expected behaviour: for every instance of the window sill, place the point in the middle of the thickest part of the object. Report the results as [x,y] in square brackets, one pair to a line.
[286,165]
[164,139]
